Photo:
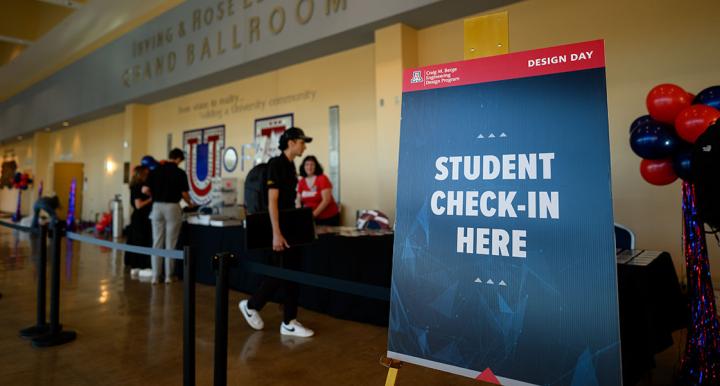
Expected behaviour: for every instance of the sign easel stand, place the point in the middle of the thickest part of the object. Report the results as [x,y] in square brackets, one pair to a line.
[485,35]
[393,365]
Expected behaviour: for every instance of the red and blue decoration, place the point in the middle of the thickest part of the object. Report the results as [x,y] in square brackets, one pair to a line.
[665,101]
[105,224]
[694,120]
[203,148]
[664,139]
[666,135]
[21,181]
[70,221]
[654,140]
[709,97]
[701,362]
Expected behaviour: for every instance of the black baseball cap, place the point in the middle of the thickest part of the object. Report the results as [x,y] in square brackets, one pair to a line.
[296,133]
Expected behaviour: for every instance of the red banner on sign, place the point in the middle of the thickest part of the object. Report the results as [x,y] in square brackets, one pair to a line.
[545,61]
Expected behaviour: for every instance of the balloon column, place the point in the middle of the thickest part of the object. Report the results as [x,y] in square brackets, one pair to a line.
[70,220]
[21,182]
[664,139]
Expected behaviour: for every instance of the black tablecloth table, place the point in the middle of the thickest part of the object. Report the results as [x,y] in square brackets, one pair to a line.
[362,259]
[652,306]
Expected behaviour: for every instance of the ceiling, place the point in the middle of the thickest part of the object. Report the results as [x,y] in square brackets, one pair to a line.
[24,22]
[39,37]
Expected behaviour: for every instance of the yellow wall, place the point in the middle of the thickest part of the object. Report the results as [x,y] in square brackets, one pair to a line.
[345,79]
[647,42]
[93,144]
[642,50]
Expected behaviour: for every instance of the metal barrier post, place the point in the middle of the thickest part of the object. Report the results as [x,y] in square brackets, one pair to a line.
[40,326]
[221,263]
[188,318]
[55,336]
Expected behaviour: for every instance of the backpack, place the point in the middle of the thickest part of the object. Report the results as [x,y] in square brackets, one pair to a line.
[705,168]
[256,191]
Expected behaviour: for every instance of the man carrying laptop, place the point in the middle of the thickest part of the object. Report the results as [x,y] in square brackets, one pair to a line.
[281,183]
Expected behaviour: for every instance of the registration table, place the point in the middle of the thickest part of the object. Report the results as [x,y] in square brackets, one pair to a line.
[652,306]
[651,303]
[341,253]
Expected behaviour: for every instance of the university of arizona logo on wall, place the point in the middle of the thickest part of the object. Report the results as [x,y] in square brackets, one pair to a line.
[203,149]
[416,77]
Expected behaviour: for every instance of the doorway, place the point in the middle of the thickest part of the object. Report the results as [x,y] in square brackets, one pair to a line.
[65,173]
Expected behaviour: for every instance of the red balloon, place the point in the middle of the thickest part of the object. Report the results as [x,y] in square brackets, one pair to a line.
[658,171]
[694,120]
[665,101]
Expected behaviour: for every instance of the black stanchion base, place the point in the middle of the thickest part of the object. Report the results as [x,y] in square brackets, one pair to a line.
[34,331]
[56,339]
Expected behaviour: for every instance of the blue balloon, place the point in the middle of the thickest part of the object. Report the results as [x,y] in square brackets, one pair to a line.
[709,97]
[640,121]
[654,140]
[682,163]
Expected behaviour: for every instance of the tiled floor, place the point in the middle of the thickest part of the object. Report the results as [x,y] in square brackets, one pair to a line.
[130,333]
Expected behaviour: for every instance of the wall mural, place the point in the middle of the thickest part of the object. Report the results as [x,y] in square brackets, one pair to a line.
[7,179]
[267,136]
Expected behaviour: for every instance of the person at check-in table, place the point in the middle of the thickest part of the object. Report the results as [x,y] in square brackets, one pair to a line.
[315,191]
[167,185]
[281,182]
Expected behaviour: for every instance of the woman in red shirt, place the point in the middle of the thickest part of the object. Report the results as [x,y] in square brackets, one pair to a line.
[315,191]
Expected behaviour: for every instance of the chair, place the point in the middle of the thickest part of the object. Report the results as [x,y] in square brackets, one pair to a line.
[624,237]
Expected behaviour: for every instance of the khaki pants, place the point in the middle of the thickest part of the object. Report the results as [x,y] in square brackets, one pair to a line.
[166,221]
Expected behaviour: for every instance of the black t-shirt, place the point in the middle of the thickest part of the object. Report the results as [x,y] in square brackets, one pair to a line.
[167,183]
[281,175]
[135,194]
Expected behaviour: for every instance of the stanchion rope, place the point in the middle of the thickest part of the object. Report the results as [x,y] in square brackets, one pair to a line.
[170,253]
[311,279]
[21,228]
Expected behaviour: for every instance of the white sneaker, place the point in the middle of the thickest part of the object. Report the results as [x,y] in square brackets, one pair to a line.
[294,328]
[252,317]
[134,273]
[145,273]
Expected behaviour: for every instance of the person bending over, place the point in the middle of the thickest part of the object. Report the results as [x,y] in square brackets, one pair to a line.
[167,185]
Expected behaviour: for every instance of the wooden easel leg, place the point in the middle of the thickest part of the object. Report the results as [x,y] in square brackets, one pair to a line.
[393,366]
[391,376]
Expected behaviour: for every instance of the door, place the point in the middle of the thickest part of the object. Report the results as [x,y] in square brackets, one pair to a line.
[65,173]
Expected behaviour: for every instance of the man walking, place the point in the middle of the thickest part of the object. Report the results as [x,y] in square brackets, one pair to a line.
[281,183]
[167,185]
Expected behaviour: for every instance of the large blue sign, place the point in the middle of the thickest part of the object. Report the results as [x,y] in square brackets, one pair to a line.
[504,260]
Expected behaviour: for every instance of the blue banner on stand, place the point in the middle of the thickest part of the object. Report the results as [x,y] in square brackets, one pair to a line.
[504,259]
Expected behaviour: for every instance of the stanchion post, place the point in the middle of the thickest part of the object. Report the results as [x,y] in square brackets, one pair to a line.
[188,318]
[221,263]
[55,336]
[40,326]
